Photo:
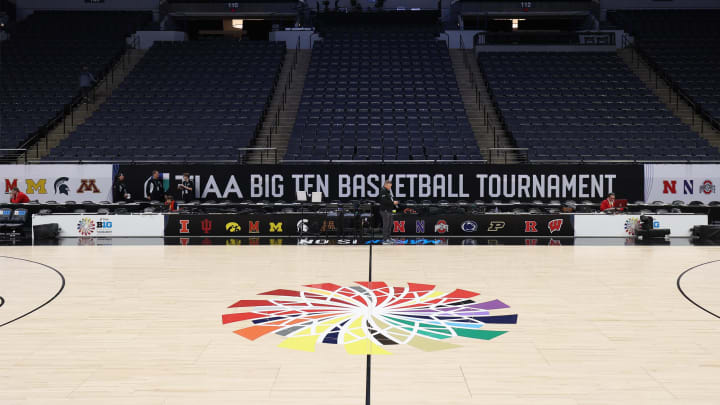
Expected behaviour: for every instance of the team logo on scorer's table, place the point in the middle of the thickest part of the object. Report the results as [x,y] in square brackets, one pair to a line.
[370,317]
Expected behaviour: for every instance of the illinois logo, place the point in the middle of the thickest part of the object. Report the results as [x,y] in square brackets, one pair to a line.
[370,317]
[86,227]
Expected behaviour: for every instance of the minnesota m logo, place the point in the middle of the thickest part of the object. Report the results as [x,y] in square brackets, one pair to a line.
[276,227]
[87,185]
[33,187]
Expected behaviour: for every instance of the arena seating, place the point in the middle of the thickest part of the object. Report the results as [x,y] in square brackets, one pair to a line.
[43,59]
[381,92]
[682,44]
[198,100]
[585,106]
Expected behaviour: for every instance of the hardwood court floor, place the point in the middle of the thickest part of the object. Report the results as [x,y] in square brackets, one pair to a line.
[142,325]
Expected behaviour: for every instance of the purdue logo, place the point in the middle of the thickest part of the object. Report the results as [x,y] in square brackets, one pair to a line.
[87,185]
[496,226]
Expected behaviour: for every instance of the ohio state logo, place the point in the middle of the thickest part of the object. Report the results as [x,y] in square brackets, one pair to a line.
[707,187]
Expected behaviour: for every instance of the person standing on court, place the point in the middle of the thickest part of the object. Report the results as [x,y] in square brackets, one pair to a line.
[154,189]
[388,205]
[186,188]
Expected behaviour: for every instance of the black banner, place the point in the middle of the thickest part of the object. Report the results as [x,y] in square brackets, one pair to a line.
[451,182]
[431,226]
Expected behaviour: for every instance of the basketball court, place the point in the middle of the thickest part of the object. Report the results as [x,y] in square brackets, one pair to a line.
[144,325]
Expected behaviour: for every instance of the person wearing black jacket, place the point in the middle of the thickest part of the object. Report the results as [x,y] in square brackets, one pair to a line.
[187,188]
[120,191]
[388,205]
[154,189]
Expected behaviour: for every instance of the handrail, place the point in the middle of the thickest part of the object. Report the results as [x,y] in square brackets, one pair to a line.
[654,67]
[288,85]
[14,151]
[241,157]
[69,108]
[476,88]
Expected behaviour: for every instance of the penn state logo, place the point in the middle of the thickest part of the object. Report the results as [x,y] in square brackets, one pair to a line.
[469,226]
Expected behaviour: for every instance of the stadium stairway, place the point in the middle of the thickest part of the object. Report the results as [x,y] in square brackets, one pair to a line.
[282,110]
[82,112]
[477,109]
[669,97]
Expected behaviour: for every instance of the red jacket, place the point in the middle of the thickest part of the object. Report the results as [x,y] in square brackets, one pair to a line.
[20,198]
[606,204]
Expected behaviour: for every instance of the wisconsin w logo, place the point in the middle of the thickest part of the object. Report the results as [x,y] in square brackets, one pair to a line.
[555,225]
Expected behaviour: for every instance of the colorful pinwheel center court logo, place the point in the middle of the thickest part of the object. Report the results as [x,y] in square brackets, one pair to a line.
[630,225]
[86,226]
[371,317]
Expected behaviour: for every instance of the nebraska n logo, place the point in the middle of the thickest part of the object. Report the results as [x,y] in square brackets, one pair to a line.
[555,225]
[87,185]
[399,226]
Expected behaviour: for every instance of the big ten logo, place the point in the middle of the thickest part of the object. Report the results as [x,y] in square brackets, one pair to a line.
[31,186]
[104,224]
[88,185]
[328,226]
[276,227]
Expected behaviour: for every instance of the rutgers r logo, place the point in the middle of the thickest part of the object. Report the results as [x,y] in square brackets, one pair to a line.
[87,185]
[530,226]
[496,226]
[555,225]
[206,225]
[184,226]
[399,226]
